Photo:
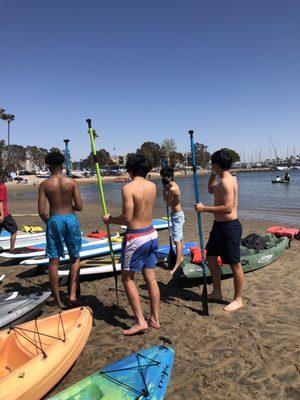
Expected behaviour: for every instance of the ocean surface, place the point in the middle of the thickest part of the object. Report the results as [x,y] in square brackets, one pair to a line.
[258,197]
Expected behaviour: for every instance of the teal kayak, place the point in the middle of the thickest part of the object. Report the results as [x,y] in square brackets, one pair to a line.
[140,376]
[250,259]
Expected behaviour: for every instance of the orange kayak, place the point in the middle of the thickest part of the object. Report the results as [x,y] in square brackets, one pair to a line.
[34,356]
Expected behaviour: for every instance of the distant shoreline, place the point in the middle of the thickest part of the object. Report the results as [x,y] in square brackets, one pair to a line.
[33,181]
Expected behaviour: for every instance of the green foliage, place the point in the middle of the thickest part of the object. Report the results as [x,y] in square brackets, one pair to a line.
[202,155]
[168,147]
[152,151]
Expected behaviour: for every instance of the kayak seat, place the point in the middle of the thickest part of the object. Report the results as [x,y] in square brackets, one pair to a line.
[246,252]
[13,355]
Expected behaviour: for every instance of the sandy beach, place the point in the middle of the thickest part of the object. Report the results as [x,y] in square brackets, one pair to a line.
[250,354]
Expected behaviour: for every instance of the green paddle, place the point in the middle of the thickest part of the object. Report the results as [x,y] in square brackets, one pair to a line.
[103,203]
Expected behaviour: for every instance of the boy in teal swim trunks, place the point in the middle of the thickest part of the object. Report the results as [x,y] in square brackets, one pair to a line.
[63,227]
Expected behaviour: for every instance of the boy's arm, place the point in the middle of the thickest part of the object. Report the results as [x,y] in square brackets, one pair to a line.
[228,200]
[1,211]
[170,196]
[165,193]
[128,206]
[212,182]
[42,204]
[77,198]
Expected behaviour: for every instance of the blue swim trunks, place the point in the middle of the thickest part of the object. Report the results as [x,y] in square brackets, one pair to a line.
[177,220]
[63,230]
[139,249]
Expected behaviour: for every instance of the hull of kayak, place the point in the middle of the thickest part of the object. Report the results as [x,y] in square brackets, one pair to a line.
[249,259]
[8,296]
[21,309]
[143,375]
[36,355]
[274,181]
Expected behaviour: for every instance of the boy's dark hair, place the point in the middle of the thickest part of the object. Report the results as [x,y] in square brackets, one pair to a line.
[138,165]
[223,159]
[55,158]
[3,176]
[167,172]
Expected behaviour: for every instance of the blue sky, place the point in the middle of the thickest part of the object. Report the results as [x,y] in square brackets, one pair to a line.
[149,70]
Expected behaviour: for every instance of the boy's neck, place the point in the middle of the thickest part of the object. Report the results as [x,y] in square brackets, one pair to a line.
[223,174]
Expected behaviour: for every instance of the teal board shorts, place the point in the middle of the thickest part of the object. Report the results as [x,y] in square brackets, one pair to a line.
[63,230]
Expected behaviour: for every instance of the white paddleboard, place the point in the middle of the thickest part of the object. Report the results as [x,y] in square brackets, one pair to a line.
[93,250]
[34,251]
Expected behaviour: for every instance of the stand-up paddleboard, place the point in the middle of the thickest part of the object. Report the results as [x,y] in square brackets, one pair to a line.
[102,267]
[39,250]
[23,239]
[158,224]
[21,309]
[2,277]
[90,251]
[143,375]
[8,296]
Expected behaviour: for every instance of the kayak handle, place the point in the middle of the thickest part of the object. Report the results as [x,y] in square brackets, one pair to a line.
[244,262]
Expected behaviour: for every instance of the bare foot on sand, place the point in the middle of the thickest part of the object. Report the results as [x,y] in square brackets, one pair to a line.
[215,296]
[234,305]
[153,324]
[136,328]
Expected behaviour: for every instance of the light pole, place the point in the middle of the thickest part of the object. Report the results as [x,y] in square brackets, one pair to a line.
[67,154]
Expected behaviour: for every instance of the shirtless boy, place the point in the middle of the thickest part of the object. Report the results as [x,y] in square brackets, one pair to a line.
[63,227]
[225,236]
[171,194]
[141,241]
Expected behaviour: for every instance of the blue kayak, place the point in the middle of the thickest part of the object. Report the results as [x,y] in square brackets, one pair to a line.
[143,375]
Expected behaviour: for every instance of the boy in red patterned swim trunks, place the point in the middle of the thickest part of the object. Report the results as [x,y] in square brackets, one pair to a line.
[141,241]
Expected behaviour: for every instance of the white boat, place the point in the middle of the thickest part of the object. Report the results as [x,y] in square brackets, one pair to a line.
[282,168]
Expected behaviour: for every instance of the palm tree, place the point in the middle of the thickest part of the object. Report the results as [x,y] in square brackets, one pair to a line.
[8,118]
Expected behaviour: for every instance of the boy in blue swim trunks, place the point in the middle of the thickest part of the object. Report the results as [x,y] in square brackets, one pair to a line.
[63,227]
[141,241]
[225,236]
[172,195]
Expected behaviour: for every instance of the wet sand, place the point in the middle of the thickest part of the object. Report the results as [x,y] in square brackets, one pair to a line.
[250,354]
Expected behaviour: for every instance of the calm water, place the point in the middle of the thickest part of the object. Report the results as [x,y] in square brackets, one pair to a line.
[258,197]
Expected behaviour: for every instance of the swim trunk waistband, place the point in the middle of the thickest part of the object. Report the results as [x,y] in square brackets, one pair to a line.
[225,222]
[62,215]
[177,214]
[134,233]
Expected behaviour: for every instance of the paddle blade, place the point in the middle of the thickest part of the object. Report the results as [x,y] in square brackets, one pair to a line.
[205,298]
[171,258]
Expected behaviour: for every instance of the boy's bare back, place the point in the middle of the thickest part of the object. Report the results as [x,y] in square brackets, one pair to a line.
[139,197]
[62,194]
[226,192]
